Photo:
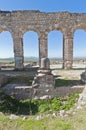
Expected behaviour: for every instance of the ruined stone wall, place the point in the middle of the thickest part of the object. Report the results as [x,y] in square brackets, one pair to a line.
[19,22]
[3,80]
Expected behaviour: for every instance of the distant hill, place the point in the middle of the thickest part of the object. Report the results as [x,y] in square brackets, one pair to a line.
[35,58]
[31,57]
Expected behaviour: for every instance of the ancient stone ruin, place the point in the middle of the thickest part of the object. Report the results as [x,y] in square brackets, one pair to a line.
[44,77]
[18,22]
[83,77]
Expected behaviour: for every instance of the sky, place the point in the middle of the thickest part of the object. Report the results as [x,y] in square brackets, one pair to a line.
[30,38]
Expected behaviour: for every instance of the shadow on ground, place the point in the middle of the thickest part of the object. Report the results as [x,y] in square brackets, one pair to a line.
[67,83]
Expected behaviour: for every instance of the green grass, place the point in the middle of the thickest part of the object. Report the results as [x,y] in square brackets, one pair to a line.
[30,107]
[9,105]
[32,124]
[72,122]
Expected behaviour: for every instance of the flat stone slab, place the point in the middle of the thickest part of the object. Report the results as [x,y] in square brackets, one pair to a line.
[18,90]
[15,86]
[23,91]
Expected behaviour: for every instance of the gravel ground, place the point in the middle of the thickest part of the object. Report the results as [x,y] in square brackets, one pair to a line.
[74,73]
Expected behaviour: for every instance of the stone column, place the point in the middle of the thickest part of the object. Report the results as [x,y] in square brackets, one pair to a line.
[42,47]
[18,51]
[67,51]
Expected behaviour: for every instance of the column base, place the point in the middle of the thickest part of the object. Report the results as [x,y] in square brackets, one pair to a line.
[44,79]
[67,65]
[19,63]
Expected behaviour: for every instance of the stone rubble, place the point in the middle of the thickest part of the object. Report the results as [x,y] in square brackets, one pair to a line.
[13,117]
[82,99]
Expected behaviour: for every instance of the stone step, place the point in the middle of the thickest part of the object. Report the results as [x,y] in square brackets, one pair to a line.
[22,91]
[18,90]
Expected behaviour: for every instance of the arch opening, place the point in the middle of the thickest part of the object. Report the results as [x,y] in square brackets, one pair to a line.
[79,49]
[31,51]
[55,49]
[6,51]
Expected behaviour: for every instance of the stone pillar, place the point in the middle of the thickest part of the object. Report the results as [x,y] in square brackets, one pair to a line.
[18,51]
[45,64]
[42,47]
[44,78]
[67,51]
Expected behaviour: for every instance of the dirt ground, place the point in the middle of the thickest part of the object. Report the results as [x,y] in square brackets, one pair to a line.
[74,73]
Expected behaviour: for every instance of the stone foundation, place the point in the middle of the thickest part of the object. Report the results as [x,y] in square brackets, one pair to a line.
[44,77]
[43,81]
[22,92]
[42,87]
[83,77]
[3,80]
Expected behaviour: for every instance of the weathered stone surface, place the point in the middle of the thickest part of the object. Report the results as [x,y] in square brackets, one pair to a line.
[44,78]
[13,117]
[82,98]
[19,91]
[3,80]
[19,22]
[23,91]
[83,77]
[45,63]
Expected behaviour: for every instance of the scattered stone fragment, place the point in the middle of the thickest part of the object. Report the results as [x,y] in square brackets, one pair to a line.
[13,117]
[62,113]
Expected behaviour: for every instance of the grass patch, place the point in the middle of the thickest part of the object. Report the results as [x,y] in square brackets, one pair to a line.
[30,107]
[10,105]
[48,123]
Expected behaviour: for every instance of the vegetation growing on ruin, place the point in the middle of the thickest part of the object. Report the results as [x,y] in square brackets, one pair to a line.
[10,105]
[30,107]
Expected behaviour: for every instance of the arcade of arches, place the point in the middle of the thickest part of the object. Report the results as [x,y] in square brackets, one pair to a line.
[19,22]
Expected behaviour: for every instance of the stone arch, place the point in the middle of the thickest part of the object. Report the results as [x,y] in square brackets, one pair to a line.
[79,42]
[26,29]
[6,49]
[56,51]
[79,27]
[56,27]
[31,48]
